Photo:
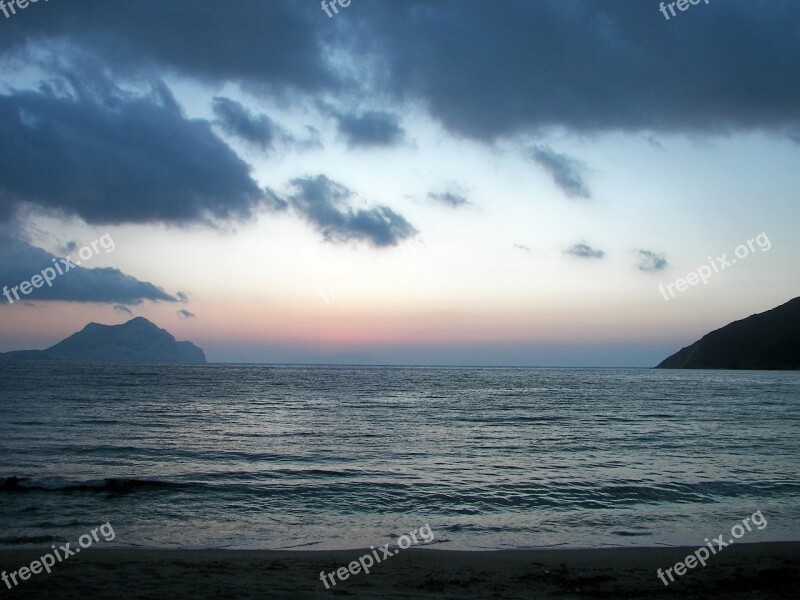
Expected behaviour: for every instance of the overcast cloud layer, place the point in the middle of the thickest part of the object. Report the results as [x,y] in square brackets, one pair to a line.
[482,70]
[487,71]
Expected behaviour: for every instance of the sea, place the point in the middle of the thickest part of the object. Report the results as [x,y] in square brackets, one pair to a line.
[330,457]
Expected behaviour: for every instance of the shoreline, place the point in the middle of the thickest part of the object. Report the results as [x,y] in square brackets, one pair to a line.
[746,570]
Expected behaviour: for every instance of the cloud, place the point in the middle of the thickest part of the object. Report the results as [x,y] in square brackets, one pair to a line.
[20,261]
[324,204]
[651,262]
[565,170]
[312,141]
[84,147]
[121,308]
[69,247]
[584,251]
[185,314]
[273,44]
[239,122]
[588,66]
[582,65]
[370,129]
[452,199]
[259,130]
[182,297]
[522,247]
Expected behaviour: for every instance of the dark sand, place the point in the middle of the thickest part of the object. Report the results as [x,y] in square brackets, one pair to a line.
[768,570]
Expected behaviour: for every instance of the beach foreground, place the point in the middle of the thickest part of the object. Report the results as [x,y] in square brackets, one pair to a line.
[762,570]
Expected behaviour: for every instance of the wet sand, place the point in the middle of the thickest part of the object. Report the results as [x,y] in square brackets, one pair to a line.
[753,571]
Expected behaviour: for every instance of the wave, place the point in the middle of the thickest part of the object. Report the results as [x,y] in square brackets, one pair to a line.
[18,540]
[113,485]
[363,490]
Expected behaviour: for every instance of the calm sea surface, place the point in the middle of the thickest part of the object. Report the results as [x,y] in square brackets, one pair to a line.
[329,457]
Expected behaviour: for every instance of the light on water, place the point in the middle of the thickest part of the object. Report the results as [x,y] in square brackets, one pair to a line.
[316,457]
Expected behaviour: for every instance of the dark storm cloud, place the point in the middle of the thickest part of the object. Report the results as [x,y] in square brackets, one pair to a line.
[265,43]
[370,129]
[109,156]
[484,70]
[651,262]
[237,121]
[565,170]
[584,251]
[487,70]
[20,261]
[324,204]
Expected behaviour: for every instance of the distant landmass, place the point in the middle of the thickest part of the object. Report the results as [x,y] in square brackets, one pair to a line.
[768,340]
[137,341]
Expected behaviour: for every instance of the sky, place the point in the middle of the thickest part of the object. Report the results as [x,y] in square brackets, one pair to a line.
[516,183]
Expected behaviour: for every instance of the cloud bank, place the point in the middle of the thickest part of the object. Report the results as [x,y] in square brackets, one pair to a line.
[91,150]
[481,71]
[20,261]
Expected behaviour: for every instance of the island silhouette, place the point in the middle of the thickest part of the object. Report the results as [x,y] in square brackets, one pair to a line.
[768,340]
[137,341]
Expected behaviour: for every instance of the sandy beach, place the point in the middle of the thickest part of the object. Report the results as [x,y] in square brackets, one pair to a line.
[762,570]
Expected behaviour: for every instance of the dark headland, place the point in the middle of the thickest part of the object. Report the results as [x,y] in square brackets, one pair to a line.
[137,341]
[768,340]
